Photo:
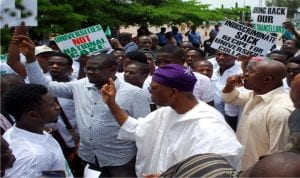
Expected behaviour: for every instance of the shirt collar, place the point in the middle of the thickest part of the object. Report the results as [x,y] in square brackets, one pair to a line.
[231,69]
[41,138]
[194,113]
[270,95]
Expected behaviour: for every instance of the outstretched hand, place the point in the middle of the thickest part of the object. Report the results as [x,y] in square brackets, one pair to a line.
[290,26]
[244,58]
[26,46]
[235,80]
[108,92]
[232,82]
[22,30]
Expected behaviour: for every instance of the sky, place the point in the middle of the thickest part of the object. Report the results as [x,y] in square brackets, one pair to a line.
[231,3]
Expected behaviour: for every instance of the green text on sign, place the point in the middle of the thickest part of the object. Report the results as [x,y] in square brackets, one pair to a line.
[268,28]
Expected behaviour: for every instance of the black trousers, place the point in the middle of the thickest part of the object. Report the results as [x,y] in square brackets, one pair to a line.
[126,170]
[196,45]
[232,121]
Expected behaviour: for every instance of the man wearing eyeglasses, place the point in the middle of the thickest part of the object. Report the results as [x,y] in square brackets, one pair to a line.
[182,127]
[263,126]
[292,69]
[99,145]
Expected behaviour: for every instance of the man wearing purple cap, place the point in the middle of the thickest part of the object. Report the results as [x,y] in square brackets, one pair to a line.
[182,127]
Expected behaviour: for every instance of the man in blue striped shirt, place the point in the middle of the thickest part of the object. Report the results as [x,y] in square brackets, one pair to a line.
[97,127]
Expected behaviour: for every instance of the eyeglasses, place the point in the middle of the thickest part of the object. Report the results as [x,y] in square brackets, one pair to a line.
[91,69]
[94,69]
[251,71]
[151,89]
[159,89]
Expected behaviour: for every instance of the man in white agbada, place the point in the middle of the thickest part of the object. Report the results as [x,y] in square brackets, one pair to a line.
[184,127]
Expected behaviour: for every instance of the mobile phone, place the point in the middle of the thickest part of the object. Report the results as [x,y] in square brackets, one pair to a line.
[57,173]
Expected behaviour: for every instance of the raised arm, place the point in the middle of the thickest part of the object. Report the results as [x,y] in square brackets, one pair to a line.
[26,47]
[82,63]
[35,74]
[108,92]
[14,54]
[115,43]
[231,94]
[232,82]
[290,26]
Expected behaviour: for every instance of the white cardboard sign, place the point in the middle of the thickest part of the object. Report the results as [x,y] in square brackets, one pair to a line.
[12,16]
[83,42]
[269,19]
[237,39]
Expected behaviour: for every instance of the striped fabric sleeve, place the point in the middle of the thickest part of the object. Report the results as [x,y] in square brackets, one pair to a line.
[201,165]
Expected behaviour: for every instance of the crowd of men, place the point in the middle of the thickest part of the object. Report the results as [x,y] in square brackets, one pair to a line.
[153,106]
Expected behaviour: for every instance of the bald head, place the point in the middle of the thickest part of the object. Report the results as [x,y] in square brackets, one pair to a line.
[264,75]
[273,68]
[285,164]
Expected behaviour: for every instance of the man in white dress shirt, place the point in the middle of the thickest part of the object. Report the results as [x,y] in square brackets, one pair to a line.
[99,145]
[227,66]
[35,150]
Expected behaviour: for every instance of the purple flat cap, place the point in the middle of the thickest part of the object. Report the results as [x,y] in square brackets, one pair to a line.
[175,76]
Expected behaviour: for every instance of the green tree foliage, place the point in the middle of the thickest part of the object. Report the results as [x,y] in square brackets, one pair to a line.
[292,5]
[62,16]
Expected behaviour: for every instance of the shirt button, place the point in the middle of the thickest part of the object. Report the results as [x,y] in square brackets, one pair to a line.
[90,139]
[90,127]
[95,103]
[91,115]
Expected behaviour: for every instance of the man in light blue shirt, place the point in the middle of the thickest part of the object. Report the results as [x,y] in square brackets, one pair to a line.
[127,43]
[97,127]
[162,40]
[194,37]
[176,35]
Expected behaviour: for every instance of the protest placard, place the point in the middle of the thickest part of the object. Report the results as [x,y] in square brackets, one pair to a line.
[297,16]
[237,39]
[29,12]
[4,68]
[14,12]
[9,15]
[3,58]
[296,20]
[269,19]
[83,42]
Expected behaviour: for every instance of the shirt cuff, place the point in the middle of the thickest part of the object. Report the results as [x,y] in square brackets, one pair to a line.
[32,67]
[227,97]
[127,130]
[31,64]
[129,124]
